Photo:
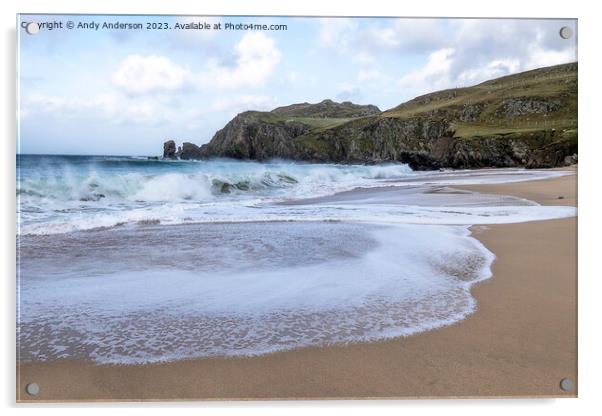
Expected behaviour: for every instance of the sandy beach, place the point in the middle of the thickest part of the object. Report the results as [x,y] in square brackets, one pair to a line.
[520,342]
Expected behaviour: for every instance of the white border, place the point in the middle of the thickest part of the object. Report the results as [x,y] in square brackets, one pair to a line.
[590,287]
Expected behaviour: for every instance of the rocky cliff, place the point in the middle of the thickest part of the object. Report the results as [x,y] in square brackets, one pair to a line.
[528,119]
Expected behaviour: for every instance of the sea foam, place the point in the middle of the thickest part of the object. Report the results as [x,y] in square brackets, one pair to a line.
[88,193]
[134,261]
[372,282]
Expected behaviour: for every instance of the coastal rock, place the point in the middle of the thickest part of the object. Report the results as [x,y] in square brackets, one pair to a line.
[570,160]
[250,136]
[527,119]
[169,149]
[516,107]
[190,151]
[560,152]
[471,112]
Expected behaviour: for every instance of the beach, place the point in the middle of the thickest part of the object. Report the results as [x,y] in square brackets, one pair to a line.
[520,341]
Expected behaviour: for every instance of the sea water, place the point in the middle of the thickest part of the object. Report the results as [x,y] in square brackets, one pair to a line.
[129,260]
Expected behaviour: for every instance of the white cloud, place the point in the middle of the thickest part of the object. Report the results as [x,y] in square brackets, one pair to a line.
[256,58]
[140,74]
[456,52]
[381,35]
[479,50]
[492,48]
[541,57]
[245,102]
[348,92]
[493,69]
[401,35]
[106,107]
[434,75]
[335,32]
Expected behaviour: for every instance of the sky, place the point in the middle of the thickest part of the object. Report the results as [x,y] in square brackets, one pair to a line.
[124,92]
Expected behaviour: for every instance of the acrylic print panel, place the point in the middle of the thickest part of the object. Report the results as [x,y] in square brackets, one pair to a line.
[280,207]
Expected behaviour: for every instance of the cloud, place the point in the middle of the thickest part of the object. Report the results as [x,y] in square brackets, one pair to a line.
[335,32]
[139,74]
[491,48]
[454,52]
[106,107]
[380,35]
[477,50]
[255,59]
[348,92]
[541,57]
[402,35]
[434,75]
[245,102]
[493,69]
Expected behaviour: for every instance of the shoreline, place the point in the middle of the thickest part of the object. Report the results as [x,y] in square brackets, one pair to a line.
[509,347]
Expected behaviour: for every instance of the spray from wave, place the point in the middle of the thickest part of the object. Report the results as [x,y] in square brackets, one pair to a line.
[58,194]
[189,181]
[344,268]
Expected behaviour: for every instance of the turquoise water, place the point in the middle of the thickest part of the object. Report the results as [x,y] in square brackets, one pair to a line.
[129,260]
[58,194]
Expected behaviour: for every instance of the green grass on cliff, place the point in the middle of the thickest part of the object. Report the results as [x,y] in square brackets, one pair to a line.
[479,130]
[556,84]
[313,123]
[320,123]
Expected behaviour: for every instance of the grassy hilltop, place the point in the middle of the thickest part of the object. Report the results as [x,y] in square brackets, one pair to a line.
[527,119]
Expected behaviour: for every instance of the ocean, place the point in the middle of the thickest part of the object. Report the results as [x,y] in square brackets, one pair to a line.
[129,260]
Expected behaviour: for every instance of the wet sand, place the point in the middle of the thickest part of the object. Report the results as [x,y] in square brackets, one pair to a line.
[519,343]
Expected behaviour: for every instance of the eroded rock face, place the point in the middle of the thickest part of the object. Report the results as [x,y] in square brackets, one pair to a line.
[247,136]
[516,107]
[422,143]
[375,140]
[560,153]
[190,151]
[169,149]
[499,123]
[471,112]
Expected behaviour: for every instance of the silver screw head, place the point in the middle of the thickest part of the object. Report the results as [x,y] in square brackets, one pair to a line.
[566,32]
[566,384]
[32,28]
[32,389]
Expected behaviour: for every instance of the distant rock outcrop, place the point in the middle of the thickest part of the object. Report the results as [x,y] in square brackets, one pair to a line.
[189,151]
[327,109]
[169,149]
[527,119]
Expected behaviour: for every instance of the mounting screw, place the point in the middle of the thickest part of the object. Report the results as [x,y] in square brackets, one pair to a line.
[32,389]
[566,32]
[566,384]
[32,28]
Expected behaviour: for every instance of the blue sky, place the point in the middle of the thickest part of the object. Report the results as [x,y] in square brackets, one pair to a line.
[117,92]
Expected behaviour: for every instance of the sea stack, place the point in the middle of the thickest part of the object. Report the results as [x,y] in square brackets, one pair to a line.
[169,149]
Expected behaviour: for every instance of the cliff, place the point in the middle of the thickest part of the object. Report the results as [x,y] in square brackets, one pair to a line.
[527,119]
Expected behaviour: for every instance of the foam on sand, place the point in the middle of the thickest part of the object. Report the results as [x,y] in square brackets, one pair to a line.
[372,282]
[132,261]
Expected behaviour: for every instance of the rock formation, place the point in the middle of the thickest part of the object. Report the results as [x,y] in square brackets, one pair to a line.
[527,119]
[169,149]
